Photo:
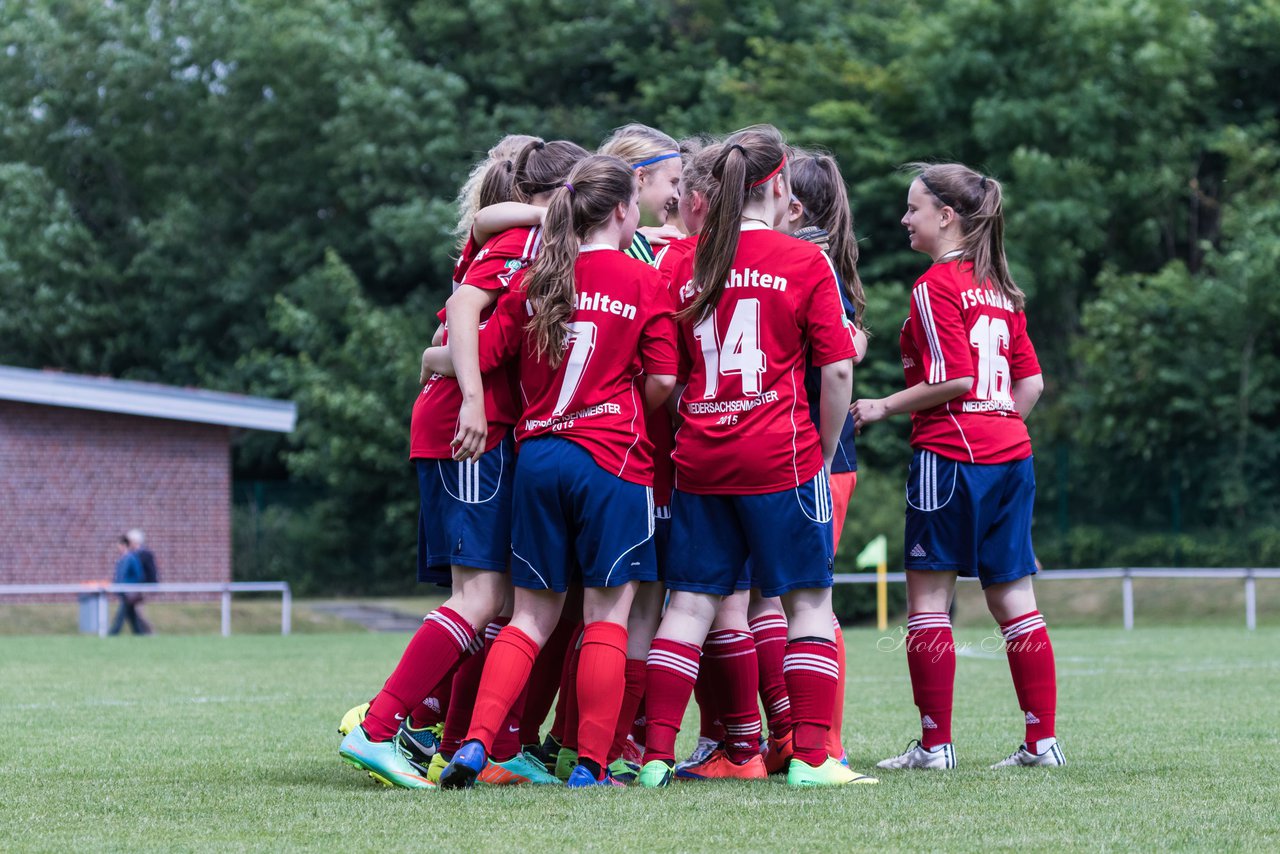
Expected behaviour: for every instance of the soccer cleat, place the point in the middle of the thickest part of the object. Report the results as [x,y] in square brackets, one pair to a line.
[524,769]
[420,745]
[384,760]
[466,766]
[657,773]
[1051,756]
[917,755]
[706,746]
[548,752]
[829,773]
[718,766]
[624,772]
[582,778]
[566,761]
[633,752]
[353,718]
[777,755]
[438,763]
[536,751]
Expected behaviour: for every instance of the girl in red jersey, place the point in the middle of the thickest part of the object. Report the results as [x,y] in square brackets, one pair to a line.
[465,519]
[595,340]
[972,377]
[751,470]
[656,159]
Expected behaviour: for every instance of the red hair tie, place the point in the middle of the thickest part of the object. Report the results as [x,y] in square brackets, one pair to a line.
[771,175]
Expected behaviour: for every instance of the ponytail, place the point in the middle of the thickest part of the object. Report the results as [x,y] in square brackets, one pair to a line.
[816,181]
[541,167]
[978,201]
[746,163]
[595,187]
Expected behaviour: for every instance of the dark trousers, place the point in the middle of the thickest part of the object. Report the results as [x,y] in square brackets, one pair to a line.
[130,610]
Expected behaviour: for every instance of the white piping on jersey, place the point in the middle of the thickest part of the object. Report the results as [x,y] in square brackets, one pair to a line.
[836,276]
[795,432]
[532,244]
[960,430]
[648,494]
[657,259]
[635,413]
[937,363]
[469,484]
[531,569]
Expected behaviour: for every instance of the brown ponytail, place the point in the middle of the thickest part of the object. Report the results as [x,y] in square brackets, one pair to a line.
[817,183]
[542,166]
[746,161]
[978,201]
[595,187]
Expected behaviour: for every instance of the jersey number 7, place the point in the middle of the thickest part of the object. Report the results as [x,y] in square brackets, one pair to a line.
[580,343]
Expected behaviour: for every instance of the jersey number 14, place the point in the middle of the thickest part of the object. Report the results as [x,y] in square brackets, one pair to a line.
[739,354]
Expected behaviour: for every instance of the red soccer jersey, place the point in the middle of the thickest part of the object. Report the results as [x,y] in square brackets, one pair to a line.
[958,328]
[674,261]
[435,412]
[621,330]
[746,427]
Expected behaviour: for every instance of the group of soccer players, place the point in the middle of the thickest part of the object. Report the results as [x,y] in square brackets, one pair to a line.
[634,447]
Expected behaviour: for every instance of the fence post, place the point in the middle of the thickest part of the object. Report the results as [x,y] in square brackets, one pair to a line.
[226,613]
[1128,599]
[102,613]
[286,611]
[1250,601]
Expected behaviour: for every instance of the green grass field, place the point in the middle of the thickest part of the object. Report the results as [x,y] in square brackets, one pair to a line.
[197,743]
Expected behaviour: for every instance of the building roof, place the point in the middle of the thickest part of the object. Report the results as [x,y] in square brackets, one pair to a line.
[103,394]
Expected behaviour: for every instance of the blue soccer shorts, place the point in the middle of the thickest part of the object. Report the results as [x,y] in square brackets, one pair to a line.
[776,543]
[969,518]
[577,521]
[464,517]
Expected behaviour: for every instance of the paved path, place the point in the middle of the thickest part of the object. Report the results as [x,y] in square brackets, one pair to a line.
[375,618]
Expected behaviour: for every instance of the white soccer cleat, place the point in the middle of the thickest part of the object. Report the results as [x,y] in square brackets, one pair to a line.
[940,758]
[1050,756]
[706,746]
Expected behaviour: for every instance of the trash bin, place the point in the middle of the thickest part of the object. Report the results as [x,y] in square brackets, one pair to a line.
[88,613]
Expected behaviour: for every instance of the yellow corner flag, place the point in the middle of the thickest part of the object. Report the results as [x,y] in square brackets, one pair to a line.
[876,553]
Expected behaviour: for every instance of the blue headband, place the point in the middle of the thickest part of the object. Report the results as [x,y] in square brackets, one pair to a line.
[652,160]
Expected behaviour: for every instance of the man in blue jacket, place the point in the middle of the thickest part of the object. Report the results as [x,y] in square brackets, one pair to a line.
[129,571]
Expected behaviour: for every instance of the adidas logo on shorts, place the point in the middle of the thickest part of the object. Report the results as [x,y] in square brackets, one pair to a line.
[918,551]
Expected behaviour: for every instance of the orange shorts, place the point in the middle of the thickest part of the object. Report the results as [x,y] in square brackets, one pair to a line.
[842,486]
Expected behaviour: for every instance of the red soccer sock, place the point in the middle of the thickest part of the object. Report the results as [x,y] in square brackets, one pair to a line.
[462,700]
[506,670]
[506,743]
[432,710]
[770,631]
[544,682]
[433,651]
[673,669]
[729,662]
[835,748]
[601,682]
[931,660]
[632,693]
[810,668]
[566,720]
[709,702]
[1034,673]
[641,723]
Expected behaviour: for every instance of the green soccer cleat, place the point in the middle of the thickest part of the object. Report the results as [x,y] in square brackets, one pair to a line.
[438,764]
[566,761]
[353,718]
[657,774]
[384,760]
[829,773]
[623,771]
[529,769]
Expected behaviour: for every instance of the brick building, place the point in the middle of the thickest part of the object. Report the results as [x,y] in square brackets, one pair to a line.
[82,459]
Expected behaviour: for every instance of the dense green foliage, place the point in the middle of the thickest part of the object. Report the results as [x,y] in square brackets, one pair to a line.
[258,196]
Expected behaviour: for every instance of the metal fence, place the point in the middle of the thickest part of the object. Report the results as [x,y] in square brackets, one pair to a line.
[97,596]
[1127,575]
